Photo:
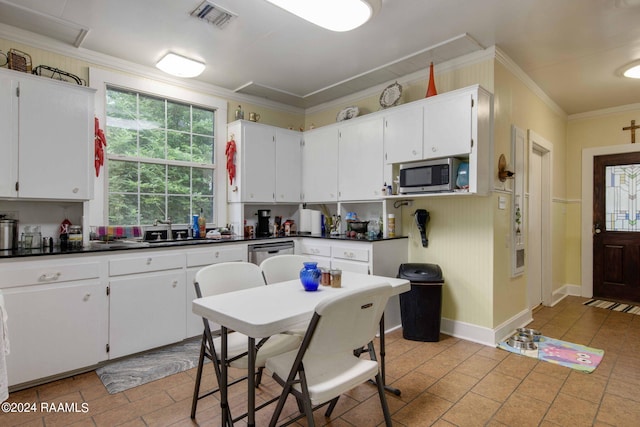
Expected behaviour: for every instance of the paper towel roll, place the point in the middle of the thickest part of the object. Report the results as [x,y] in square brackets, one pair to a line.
[316,222]
[305,221]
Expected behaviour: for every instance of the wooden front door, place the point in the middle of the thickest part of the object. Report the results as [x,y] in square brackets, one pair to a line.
[616,227]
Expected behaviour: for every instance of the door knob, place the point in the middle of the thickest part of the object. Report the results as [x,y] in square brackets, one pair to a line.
[596,228]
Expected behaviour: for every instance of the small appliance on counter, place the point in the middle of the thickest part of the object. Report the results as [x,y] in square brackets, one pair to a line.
[8,234]
[429,176]
[263,229]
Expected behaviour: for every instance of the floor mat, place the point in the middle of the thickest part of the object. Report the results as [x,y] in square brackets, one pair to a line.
[615,306]
[143,368]
[574,356]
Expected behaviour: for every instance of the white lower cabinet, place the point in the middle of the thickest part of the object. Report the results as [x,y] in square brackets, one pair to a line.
[196,260]
[147,307]
[316,250]
[57,317]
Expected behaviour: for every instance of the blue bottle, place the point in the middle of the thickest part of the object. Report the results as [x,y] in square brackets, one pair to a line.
[195,227]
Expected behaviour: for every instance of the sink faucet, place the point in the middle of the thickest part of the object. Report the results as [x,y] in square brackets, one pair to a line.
[166,222]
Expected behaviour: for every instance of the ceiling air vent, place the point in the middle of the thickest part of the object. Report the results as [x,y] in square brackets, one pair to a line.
[214,14]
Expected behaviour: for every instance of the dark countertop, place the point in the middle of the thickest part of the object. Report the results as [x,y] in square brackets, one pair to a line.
[97,247]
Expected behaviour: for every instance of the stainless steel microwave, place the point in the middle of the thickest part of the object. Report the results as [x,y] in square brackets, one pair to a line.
[429,176]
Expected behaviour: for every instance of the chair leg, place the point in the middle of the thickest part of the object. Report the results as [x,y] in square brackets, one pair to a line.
[196,391]
[383,401]
[331,407]
[259,377]
[280,405]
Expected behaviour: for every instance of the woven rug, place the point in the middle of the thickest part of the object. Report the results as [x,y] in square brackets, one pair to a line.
[564,353]
[143,368]
[615,306]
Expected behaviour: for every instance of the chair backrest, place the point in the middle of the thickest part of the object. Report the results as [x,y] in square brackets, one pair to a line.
[348,320]
[282,267]
[227,277]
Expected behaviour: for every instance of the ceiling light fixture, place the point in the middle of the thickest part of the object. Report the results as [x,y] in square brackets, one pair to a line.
[632,70]
[334,15]
[180,66]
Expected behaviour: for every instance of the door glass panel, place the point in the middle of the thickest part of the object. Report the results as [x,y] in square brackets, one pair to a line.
[622,208]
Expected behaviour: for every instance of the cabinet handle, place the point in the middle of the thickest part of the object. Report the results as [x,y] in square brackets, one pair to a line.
[414,152]
[149,261]
[86,297]
[434,149]
[175,283]
[50,277]
[217,255]
[75,190]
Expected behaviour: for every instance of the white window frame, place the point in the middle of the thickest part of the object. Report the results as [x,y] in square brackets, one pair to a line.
[96,212]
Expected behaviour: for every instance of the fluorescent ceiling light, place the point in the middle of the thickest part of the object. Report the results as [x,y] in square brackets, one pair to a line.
[334,15]
[633,70]
[180,66]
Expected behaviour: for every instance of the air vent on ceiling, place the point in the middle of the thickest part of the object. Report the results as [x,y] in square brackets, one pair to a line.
[214,14]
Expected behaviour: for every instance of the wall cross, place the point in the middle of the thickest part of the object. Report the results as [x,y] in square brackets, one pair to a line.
[632,128]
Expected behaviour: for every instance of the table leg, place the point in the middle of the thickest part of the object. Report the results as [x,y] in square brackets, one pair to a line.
[224,401]
[382,364]
[251,376]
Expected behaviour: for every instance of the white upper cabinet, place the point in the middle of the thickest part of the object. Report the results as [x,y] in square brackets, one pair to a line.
[288,166]
[50,134]
[448,125]
[267,164]
[320,165]
[403,134]
[360,160]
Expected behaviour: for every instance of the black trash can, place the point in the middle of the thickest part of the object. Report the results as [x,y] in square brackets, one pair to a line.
[421,307]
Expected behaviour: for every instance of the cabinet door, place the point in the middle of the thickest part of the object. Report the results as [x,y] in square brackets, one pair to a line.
[55,128]
[146,311]
[288,166]
[320,165]
[8,137]
[258,160]
[55,328]
[403,135]
[447,125]
[360,161]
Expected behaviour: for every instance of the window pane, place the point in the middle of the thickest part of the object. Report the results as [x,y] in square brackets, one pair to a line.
[178,146]
[202,122]
[123,177]
[621,198]
[152,178]
[206,203]
[151,113]
[202,149]
[151,208]
[121,140]
[178,117]
[180,209]
[123,209]
[202,182]
[152,143]
[123,105]
[178,180]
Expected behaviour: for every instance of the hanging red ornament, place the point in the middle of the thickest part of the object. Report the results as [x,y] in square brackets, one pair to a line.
[431,89]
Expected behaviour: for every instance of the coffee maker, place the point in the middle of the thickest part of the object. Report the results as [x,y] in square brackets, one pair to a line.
[263,223]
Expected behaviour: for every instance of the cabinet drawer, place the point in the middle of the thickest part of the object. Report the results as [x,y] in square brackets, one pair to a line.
[315,249]
[216,255]
[144,264]
[40,273]
[351,253]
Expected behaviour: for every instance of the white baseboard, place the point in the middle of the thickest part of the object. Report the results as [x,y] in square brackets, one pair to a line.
[559,294]
[483,335]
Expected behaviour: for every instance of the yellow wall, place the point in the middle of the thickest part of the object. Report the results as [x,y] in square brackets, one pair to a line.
[588,132]
[515,104]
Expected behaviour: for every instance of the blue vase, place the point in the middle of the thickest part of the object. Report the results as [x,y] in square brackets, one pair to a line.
[310,276]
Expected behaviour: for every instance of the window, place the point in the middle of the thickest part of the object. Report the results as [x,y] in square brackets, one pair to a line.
[160,158]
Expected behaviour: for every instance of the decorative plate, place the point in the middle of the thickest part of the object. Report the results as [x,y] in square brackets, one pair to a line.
[390,96]
[347,113]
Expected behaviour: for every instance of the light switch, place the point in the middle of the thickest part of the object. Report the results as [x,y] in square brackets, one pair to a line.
[502,202]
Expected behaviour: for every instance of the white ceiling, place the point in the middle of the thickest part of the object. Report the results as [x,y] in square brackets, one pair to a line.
[572,49]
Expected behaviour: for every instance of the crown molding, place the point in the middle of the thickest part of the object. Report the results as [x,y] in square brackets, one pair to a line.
[515,69]
[605,112]
[106,61]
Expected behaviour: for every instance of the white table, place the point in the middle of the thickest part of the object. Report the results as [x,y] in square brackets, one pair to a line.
[272,309]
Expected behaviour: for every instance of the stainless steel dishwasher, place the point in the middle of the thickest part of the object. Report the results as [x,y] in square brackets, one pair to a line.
[261,251]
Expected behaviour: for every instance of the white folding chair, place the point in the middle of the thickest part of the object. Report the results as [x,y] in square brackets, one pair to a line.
[281,268]
[228,277]
[325,366]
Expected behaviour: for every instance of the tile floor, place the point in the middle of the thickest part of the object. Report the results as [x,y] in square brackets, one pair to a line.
[449,383]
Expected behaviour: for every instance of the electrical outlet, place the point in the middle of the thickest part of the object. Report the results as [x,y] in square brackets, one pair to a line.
[9,214]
